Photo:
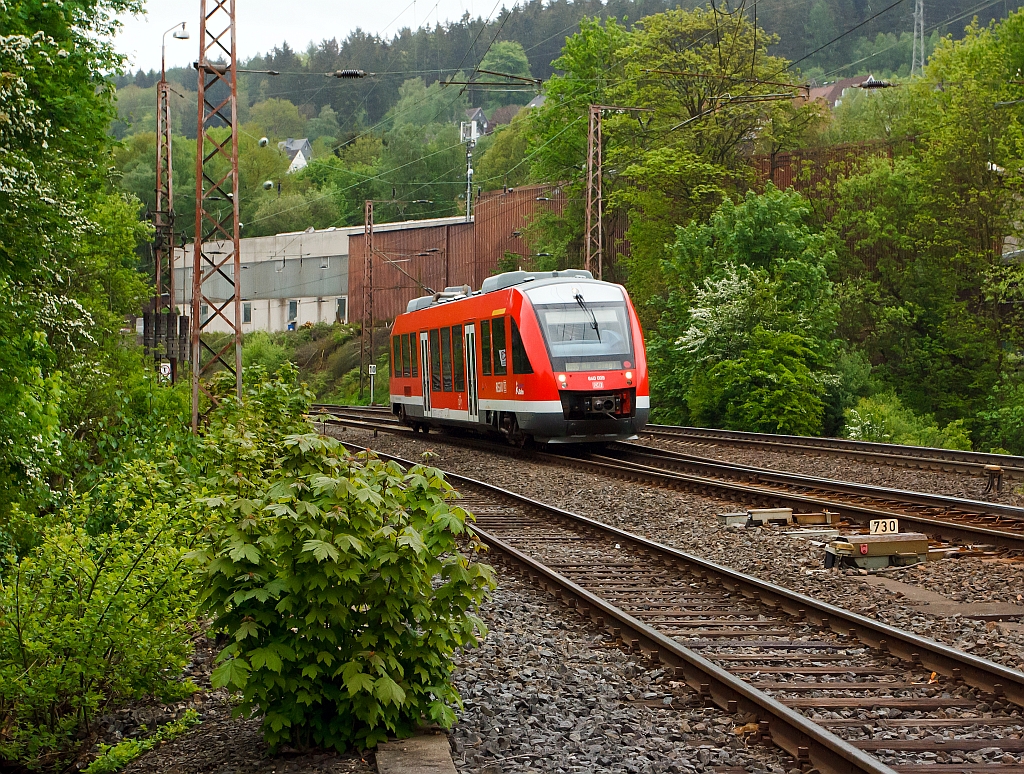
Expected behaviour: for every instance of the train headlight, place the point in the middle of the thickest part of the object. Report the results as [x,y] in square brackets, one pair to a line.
[629,376]
[561,378]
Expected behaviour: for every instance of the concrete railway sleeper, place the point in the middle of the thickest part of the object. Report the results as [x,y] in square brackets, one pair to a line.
[838,691]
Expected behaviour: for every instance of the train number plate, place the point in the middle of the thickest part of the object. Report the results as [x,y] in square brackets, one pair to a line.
[884,526]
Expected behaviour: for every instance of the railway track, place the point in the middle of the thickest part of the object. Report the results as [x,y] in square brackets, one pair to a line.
[839,692]
[921,457]
[951,518]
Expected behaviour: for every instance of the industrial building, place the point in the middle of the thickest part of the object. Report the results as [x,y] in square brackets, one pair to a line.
[292,279]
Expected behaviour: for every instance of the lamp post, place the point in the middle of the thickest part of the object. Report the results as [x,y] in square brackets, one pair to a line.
[163,216]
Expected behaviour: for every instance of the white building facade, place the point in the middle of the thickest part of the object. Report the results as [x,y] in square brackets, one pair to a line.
[288,280]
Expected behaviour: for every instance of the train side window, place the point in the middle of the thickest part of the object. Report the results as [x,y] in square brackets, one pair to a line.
[520,360]
[396,360]
[458,361]
[414,349]
[498,345]
[405,354]
[435,361]
[485,347]
[446,359]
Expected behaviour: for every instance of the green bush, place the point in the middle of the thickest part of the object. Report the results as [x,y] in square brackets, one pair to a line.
[1002,421]
[345,594]
[884,419]
[98,610]
[260,349]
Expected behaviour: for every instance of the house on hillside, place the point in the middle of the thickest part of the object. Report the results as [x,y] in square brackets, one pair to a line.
[299,153]
[536,101]
[477,114]
[832,93]
[504,115]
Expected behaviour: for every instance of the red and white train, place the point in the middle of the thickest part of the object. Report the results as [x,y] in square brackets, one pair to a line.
[553,356]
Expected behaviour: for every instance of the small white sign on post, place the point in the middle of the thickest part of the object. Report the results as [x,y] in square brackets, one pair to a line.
[372,370]
[884,526]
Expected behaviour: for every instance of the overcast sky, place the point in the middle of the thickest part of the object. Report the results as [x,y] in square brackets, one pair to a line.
[263,24]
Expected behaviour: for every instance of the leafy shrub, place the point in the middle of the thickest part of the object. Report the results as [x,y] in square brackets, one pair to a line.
[98,610]
[1003,418]
[345,593]
[261,349]
[767,388]
[884,419]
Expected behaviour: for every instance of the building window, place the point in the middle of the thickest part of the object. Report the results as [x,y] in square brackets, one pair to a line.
[247,312]
[325,261]
[293,311]
[342,314]
[204,313]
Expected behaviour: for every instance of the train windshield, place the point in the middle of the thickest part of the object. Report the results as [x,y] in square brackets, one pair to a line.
[587,336]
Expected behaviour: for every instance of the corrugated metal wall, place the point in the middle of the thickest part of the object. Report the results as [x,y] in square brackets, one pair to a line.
[442,256]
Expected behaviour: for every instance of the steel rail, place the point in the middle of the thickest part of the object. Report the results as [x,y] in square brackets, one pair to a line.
[763,496]
[802,738]
[751,491]
[922,457]
[888,499]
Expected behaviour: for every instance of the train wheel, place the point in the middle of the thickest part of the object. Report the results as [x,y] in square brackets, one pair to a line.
[513,433]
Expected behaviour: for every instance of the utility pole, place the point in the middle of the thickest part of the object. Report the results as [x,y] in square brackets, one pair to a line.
[918,56]
[216,200]
[163,216]
[366,334]
[594,248]
[595,201]
[470,133]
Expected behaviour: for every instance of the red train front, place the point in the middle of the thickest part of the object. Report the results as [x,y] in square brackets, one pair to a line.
[554,356]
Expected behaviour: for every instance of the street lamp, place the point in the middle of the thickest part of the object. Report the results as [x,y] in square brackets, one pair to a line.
[180,33]
[163,217]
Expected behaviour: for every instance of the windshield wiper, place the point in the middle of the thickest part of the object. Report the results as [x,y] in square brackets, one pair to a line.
[588,310]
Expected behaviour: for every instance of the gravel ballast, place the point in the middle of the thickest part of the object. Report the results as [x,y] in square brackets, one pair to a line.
[547,692]
[688,522]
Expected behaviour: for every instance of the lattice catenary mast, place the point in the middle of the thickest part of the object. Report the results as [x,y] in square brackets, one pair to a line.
[216,258]
[918,55]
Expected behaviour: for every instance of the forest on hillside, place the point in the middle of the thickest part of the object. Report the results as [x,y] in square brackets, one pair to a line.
[876,302]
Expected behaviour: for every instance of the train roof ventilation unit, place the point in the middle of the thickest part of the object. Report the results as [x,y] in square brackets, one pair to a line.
[453,293]
[510,278]
[419,303]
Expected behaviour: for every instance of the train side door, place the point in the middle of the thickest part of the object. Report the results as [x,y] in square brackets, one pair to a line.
[425,371]
[471,385]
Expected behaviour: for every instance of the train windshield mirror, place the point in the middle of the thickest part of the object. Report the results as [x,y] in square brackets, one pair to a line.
[446,359]
[573,340]
[485,346]
[435,361]
[458,359]
[520,360]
